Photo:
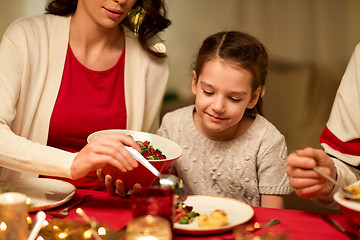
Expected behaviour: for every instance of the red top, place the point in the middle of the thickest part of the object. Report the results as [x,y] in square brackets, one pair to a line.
[88,101]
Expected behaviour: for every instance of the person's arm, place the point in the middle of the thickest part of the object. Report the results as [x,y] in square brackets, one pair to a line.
[272,201]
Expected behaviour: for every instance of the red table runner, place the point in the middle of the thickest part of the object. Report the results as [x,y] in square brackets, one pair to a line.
[115,212]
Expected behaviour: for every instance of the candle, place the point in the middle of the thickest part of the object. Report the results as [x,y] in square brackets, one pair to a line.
[149,228]
[13,214]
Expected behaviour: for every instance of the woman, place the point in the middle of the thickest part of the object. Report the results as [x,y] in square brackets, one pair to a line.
[76,70]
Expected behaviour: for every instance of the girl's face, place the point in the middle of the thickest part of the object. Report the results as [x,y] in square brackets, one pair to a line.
[223,93]
[106,13]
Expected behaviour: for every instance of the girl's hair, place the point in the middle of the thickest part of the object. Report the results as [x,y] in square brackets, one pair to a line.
[146,19]
[241,50]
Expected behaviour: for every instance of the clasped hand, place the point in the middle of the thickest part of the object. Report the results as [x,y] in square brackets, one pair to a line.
[106,148]
[303,179]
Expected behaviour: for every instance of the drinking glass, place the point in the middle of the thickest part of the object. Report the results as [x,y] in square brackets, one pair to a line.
[156,201]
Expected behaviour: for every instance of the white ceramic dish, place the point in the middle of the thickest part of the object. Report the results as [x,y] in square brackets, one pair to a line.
[238,213]
[44,193]
[352,204]
[350,208]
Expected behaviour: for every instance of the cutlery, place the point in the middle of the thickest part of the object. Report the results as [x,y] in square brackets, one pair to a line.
[166,180]
[39,219]
[339,227]
[257,226]
[343,191]
[65,212]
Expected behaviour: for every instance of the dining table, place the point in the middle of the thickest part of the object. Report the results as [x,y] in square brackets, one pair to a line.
[109,209]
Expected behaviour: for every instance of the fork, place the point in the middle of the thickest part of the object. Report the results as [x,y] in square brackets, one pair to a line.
[65,212]
[344,191]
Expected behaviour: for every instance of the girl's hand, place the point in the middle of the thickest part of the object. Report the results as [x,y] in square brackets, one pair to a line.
[303,179]
[106,148]
[119,188]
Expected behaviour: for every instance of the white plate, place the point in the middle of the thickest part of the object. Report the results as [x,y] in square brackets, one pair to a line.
[44,193]
[238,213]
[352,204]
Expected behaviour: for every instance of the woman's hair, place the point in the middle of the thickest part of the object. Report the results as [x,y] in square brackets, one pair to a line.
[242,51]
[146,19]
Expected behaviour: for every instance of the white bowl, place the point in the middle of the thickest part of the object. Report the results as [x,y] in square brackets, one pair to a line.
[350,208]
[141,175]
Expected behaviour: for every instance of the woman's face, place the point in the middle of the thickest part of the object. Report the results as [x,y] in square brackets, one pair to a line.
[106,13]
[223,93]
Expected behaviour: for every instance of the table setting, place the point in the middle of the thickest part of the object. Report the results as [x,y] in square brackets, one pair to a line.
[114,214]
[45,208]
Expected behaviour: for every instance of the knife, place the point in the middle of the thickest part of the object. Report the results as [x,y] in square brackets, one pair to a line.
[328,219]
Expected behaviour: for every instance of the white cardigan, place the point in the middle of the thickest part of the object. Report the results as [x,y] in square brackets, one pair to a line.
[32,57]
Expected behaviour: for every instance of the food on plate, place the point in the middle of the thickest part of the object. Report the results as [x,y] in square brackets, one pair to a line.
[184,214]
[149,152]
[217,218]
[355,189]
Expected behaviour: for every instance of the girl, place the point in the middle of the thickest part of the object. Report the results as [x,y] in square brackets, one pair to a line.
[73,71]
[229,149]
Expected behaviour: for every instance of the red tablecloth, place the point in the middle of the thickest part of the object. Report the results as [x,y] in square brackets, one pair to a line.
[115,212]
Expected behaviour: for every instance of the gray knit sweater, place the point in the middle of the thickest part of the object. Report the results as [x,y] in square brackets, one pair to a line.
[242,168]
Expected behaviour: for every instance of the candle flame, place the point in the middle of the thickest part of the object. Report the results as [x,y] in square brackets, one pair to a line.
[63,235]
[102,231]
[9,197]
[147,238]
[45,223]
[3,226]
[88,234]
[79,211]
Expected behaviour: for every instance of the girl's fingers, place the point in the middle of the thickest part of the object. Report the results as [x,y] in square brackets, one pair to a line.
[100,175]
[137,187]
[120,188]
[108,183]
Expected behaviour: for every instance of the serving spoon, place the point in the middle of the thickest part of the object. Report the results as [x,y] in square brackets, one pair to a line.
[342,190]
[166,180]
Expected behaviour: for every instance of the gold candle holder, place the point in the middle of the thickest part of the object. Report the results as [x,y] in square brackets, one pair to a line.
[13,214]
[149,228]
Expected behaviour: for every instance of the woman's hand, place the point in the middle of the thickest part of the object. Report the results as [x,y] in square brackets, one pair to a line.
[105,148]
[119,185]
[303,179]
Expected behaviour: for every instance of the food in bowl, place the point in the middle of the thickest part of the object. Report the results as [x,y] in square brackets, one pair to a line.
[140,174]
[149,152]
[349,207]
